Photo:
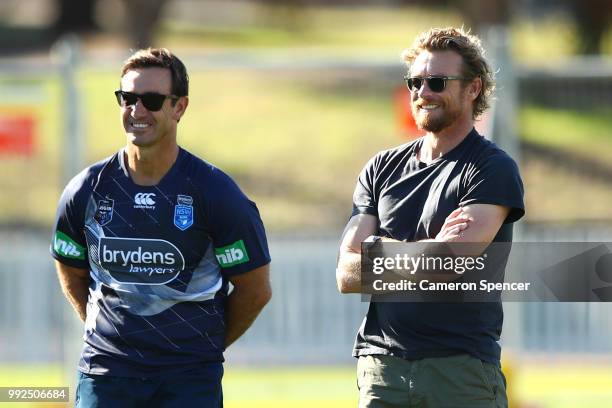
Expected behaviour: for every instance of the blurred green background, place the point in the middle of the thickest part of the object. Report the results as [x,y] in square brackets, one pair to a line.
[291,99]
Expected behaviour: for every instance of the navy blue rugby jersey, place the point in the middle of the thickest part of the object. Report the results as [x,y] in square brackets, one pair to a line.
[159,257]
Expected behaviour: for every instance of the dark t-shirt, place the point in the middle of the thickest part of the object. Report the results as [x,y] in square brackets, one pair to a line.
[411,201]
[159,258]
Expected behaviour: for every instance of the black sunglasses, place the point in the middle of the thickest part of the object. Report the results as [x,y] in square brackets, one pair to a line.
[150,100]
[435,83]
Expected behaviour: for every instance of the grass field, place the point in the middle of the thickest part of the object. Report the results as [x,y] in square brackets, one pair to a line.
[546,385]
[365,28]
[296,139]
[585,133]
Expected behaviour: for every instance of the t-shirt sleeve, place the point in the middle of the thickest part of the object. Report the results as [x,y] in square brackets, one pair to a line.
[364,199]
[237,231]
[497,182]
[68,244]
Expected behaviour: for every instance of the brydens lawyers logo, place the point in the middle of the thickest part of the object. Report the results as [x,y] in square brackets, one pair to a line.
[233,254]
[144,200]
[140,261]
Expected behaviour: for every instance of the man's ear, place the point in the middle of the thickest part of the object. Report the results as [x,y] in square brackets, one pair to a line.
[180,107]
[474,88]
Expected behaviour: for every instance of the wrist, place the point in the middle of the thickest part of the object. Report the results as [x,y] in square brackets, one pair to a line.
[371,245]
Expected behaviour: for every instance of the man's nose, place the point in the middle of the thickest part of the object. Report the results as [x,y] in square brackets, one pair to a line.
[138,108]
[424,90]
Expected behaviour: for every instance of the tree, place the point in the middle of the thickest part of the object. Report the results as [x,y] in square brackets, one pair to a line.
[75,16]
[142,18]
[592,19]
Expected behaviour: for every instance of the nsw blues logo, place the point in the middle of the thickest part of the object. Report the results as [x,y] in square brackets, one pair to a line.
[183,212]
[104,213]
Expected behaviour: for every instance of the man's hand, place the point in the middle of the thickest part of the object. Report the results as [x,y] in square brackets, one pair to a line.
[476,224]
[75,285]
[454,225]
[251,293]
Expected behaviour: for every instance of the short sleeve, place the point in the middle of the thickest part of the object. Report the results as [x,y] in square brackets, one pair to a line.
[68,244]
[364,199]
[497,181]
[237,231]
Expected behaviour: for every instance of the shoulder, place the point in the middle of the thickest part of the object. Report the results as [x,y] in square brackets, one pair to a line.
[485,153]
[387,157]
[206,176]
[86,180]
[402,151]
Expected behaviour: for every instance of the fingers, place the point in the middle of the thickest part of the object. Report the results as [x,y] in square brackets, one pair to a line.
[456,217]
[454,225]
[457,229]
[456,212]
[453,233]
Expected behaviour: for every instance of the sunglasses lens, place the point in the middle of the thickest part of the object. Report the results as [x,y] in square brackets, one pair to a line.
[126,98]
[153,101]
[414,84]
[436,84]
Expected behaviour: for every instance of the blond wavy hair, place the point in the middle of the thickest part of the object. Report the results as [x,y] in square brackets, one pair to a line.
[469,47]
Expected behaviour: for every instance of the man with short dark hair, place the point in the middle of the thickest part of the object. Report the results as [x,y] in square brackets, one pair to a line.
[145,244]
[451,185]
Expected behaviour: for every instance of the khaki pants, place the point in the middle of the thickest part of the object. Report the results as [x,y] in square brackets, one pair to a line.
[447,382]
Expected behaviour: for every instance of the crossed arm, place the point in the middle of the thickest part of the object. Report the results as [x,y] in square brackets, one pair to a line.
[476,223]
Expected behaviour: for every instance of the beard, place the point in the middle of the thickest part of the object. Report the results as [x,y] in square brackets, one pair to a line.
[442,117]
[435,122]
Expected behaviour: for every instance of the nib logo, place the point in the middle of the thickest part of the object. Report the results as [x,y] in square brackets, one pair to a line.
[233,254]
[66,247]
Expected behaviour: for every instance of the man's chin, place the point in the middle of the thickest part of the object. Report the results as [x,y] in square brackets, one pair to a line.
[137,139]
[432,126]
[433,123]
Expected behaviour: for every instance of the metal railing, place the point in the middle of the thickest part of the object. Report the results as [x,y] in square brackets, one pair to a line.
[307,321]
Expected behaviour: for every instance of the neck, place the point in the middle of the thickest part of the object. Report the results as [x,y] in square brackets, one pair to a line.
[436,144]
[148,165]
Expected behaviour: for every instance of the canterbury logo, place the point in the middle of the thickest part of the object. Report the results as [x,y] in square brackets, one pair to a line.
[144,199]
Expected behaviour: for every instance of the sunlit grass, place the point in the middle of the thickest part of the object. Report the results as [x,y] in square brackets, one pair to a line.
[586,132]
[368,29]
[294,139]
[544,385]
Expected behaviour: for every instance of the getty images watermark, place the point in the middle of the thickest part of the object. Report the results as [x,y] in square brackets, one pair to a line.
[460,272]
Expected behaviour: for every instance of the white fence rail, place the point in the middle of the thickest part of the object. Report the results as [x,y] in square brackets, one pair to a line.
[307,322]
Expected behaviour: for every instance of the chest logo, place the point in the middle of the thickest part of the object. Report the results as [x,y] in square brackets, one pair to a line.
[144,201]
[104,213]
[140,261]
[183,212]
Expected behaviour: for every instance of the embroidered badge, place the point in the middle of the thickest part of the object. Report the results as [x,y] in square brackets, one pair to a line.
[104,213]
[183,212]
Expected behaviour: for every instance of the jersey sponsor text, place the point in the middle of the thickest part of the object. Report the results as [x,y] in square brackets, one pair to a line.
[65,246]
[140,261]
[233,254]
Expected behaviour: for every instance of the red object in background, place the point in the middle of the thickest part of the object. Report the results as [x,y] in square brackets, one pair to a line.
[403,111]
[17,134]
